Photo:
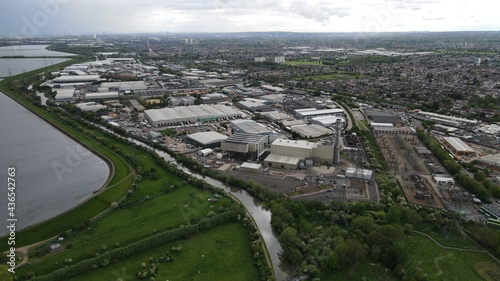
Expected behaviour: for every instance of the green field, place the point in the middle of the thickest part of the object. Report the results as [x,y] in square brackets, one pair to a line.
[365,270]
[218,253]
[303,62]
[443,264]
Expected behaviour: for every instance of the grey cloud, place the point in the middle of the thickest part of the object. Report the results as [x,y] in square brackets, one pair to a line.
[320,12]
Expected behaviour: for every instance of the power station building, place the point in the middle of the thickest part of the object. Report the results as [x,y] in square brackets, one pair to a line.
[246,145]
[288,154]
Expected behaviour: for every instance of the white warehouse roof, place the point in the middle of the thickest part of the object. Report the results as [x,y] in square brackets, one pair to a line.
[458,144]
[249,126]
[101,95]
[65,94]
[206,138]
[312,113]
[312,130]
[77,78]
[327,120]
[192,113]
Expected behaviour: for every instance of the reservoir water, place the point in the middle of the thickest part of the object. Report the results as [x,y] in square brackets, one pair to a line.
[30,51]
[53,172]
[11,67]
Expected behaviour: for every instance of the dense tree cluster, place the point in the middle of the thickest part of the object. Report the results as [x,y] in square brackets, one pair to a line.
[320,239]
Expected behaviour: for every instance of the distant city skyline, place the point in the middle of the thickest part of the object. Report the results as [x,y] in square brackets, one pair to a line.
[68,17]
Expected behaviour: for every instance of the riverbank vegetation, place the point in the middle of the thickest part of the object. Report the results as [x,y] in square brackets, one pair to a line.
[327,241]
[152,204]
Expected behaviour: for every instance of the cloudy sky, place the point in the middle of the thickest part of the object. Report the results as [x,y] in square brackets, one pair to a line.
[41,17]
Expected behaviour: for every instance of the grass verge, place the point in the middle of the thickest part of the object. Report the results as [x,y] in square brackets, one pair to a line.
[214,254]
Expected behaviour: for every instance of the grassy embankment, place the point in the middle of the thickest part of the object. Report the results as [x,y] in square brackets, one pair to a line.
[121,180]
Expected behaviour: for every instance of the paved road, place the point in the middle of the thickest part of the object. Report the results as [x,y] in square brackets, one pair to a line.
[347,116]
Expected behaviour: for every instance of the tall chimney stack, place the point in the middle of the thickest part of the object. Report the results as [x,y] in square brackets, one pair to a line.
[336,151]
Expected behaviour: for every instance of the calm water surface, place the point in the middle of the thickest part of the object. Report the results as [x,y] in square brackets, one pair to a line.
[54,173]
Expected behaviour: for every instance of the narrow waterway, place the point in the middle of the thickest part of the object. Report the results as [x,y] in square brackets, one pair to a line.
[261,216]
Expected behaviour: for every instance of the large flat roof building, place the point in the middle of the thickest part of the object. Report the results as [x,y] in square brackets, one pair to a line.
[492,161]
[308,113]
[448,120]
[125,85]
[77,78]
[90,106]
[379,116]
[248,126]
[192,113]
[311,131]
[206,139]
[326,120]
[102,96]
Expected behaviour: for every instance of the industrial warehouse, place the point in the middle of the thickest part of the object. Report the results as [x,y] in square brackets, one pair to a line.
[193,113]
[206,139]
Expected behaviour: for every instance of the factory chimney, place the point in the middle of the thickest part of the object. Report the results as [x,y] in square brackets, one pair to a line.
[336,147]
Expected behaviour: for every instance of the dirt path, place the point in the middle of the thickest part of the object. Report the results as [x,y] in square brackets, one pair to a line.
[25,250]
[482,250]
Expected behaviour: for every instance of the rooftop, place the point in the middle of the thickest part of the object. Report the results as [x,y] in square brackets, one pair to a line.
[295,143]
[285,159]
[492,159]
[244,138]
[458,144]
[249,126]
[207,137]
